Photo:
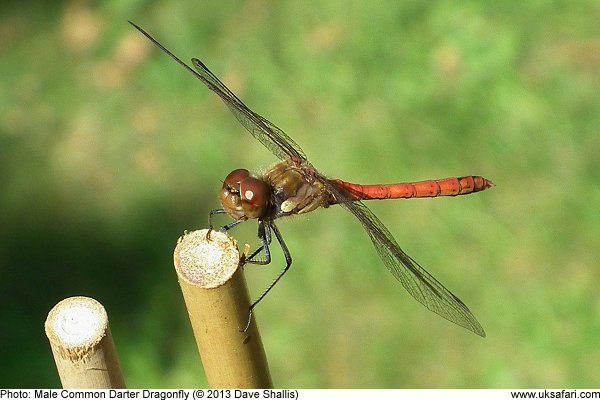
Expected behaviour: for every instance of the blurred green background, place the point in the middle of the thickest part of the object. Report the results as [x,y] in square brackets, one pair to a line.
[109,150]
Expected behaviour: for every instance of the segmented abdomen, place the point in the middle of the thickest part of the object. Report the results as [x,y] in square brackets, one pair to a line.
[429,188]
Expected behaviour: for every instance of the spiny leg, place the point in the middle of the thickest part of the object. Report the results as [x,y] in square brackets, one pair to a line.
[288,262]
[217,211]
[224,228]
[264,234]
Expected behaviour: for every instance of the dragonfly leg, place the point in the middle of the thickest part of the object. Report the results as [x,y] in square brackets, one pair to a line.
[224,228]
[217,211]
[264,233]
[288,263]
[230,225]
[256,252]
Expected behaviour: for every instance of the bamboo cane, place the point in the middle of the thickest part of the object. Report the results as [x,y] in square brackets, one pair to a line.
[217,301]
[82,345]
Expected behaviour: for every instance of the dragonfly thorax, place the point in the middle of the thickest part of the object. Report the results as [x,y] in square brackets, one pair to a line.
[295,188]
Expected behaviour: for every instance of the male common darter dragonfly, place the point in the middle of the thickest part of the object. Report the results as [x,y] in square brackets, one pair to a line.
[294,186]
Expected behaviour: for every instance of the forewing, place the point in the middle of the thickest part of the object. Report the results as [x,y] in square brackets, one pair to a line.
[416,280]
[273,138]
[261,128]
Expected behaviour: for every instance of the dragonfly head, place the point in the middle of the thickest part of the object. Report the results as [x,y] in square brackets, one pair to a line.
[244,196]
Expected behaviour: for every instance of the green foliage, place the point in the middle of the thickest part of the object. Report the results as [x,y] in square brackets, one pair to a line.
[109,150]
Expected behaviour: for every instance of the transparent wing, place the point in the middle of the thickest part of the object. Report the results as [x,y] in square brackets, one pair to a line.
[273,138]
[416,280]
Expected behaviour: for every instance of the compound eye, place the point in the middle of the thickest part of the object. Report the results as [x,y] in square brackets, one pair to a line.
[254,194]
[230,193]
[235,177]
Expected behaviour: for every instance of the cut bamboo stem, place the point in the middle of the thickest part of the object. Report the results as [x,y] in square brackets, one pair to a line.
[216,297]
[82,345]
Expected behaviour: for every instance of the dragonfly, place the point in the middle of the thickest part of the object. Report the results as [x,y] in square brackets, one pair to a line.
[293,186]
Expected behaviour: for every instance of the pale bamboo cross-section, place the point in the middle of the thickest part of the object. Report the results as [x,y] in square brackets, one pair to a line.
[217,300]
[82,345]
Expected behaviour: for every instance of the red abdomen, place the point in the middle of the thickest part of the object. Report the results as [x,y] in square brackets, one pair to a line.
[429,188]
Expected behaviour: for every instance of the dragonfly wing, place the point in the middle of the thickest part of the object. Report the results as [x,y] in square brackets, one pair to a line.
[416,280]
[273,138]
